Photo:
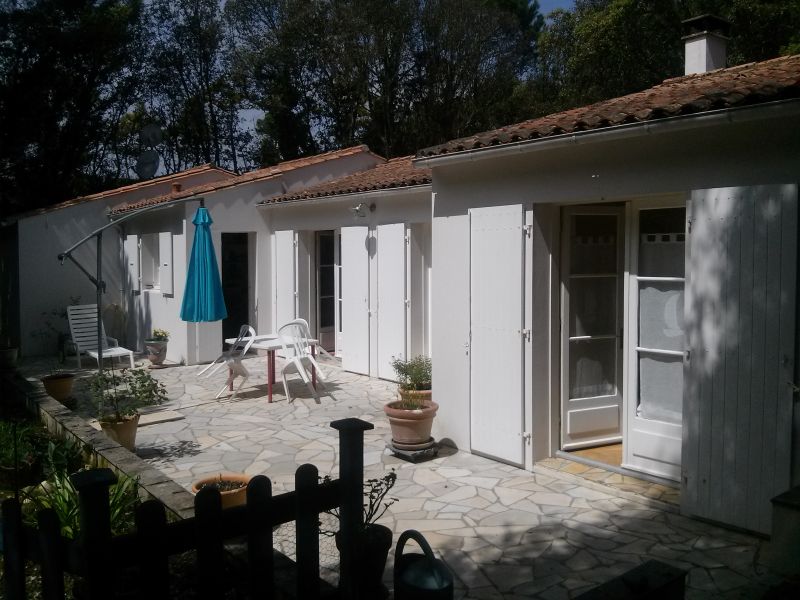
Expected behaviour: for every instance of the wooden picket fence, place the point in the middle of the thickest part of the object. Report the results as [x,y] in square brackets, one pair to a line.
[97,558]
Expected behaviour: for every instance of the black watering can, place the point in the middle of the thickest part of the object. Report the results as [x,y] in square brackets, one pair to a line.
[420,576]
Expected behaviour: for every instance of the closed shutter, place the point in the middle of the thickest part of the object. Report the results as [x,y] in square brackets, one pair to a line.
[392,304]
[165,270]
[355,300]
[132,259]
[741,267]
[286,278]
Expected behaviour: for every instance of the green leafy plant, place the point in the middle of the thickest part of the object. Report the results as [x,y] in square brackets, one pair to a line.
[119,396]
[159,335]
[413,375]
[375,502]
[26,449]
[59,494]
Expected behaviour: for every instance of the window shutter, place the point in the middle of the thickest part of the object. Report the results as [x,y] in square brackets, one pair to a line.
[132,259]
[165,275]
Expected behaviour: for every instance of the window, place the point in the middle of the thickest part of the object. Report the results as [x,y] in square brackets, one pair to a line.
[150,262]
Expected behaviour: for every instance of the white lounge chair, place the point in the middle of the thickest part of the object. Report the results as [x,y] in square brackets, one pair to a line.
[294,337]
[83,329]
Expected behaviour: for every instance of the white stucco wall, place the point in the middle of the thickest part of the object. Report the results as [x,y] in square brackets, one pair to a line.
[756,152]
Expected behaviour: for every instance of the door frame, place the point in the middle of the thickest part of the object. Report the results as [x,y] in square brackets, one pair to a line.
[620,210]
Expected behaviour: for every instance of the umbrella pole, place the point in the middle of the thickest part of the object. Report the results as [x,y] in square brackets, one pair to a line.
[99,288]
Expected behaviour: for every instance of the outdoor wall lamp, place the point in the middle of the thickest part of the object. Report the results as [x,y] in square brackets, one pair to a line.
[360,209]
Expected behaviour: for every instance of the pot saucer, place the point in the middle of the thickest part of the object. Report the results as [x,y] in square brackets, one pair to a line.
[421,446]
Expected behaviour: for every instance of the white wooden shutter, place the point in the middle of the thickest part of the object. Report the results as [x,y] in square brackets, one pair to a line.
[165,270]
[496,324]
[392,298]
[286,277]
[132,259]
[355,300]
[740,304]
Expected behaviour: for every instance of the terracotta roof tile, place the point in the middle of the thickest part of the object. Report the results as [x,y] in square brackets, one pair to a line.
[749,84]
[395,173]
[250,177]
[161,179]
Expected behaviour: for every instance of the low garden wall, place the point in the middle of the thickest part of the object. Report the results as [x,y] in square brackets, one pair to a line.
[102,451]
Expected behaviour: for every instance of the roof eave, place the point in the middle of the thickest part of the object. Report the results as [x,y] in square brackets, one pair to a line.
[738,114]
[380,193]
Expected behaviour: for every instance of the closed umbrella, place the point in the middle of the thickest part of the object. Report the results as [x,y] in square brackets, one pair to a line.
[203,299]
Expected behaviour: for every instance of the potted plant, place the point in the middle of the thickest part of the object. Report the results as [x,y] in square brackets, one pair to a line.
[411,417]
[156,346]
[58,385]
[374,540]
[232,487]
[118,398]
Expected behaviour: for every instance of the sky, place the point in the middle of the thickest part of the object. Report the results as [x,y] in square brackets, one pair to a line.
[545,6]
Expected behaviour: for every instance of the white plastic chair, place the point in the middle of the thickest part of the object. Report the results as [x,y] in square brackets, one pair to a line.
[232,358]
[294,339]
[83,329]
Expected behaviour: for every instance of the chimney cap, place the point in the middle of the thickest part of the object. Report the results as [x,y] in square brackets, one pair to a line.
[706,24]
[176,187]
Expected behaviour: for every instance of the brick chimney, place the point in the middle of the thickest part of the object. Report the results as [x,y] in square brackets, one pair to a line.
[176,187]
[706,43]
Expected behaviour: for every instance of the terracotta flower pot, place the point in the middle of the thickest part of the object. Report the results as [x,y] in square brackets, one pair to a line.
[156,351]
[59,385]
[411,426]
[234,497]
[123,432]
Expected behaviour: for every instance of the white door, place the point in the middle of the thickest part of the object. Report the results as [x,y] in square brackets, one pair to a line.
[391,250]
[355,299]
[496,332]
[741,270]
[591,326]
[285,277]
[657,343]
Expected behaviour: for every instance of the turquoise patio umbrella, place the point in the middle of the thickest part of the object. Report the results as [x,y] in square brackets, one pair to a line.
[203,299]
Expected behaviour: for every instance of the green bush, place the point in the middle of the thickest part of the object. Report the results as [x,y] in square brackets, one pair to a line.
[413,374]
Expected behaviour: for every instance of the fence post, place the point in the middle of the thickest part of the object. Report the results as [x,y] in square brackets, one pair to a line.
[13,550]
[259,538]
[306,481]
[95,529]
[51,546]
[351,515]
[151,530]
[210,550]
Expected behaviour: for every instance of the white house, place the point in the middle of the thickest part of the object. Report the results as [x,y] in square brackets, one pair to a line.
[626,273]
[157,245]
[40,287]
[353,257]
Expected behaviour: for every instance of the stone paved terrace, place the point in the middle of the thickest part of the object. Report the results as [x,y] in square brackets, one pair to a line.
[505,532]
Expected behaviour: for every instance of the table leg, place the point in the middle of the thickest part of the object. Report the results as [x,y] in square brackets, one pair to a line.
[270,373]
[313,368]
[230,379]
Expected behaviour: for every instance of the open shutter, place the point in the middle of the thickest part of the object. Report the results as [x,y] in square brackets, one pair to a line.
[165,271]
[741,268]
[392,304]
[355,300]
[286,278]
[132,259]
[496,336]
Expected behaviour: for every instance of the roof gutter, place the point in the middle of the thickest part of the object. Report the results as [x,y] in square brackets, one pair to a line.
[382,193]
[741,114]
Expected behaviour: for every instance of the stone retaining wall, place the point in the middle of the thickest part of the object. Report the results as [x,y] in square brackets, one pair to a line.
[65,424]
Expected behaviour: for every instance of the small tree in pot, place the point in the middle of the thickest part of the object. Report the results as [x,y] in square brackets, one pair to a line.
[411,417]
[119,397]
[156,346]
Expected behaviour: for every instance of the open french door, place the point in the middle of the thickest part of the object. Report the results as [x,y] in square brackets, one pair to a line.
[355,299]
[392,251]
[591,326]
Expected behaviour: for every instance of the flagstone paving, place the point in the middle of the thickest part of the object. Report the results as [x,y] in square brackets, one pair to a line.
[505,532]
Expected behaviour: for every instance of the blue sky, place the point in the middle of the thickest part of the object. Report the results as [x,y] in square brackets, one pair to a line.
[545,6]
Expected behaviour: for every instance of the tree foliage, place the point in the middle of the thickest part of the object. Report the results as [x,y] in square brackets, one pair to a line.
[81,79]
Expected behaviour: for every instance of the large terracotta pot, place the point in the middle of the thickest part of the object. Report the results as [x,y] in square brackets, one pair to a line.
[59,385]
[123,432]
[411,427]
[235,497]
[372,548]
[156,351]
